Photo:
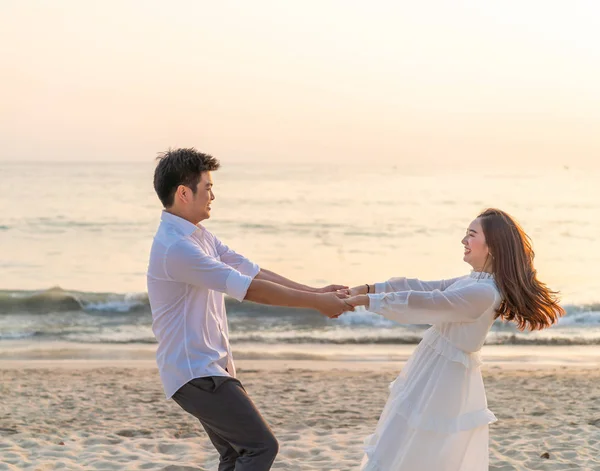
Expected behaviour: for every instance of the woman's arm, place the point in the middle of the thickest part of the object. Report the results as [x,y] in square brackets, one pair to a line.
[402,284]
[430,307]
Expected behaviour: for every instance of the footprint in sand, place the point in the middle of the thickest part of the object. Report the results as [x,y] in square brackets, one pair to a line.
[100,441]
[174,467]
[172,448]
[134,433]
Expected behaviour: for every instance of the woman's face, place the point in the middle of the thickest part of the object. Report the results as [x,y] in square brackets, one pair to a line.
[476,249]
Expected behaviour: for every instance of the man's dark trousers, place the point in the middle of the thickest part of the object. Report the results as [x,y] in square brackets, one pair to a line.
[235,427]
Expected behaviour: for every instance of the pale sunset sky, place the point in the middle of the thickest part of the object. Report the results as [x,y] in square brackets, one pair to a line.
[435,82]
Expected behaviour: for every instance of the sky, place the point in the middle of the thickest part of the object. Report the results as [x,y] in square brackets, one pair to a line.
[462,83]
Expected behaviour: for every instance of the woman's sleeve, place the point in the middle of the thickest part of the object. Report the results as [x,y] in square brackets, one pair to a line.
[413,284]
[433,307]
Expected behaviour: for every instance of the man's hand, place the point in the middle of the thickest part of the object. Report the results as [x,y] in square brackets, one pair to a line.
[330,305]
[274,294]
[331,289]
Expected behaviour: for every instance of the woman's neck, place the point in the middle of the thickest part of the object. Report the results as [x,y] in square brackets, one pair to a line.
[484,269]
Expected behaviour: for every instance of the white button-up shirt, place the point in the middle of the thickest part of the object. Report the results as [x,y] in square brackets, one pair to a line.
[188,274]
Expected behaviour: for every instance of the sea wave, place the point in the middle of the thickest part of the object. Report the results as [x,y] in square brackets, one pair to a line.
[144,336]
[72,316]
[38,302]
[57,299]
[584,317]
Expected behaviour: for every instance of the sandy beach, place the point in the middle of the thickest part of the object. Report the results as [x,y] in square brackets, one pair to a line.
[110,413]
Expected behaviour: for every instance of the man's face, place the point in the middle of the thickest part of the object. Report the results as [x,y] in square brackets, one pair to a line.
[200,204]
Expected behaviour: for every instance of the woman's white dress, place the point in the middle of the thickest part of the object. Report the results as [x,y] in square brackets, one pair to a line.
[436,418]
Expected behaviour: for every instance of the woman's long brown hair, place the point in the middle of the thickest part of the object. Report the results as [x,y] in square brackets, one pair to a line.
[525,300]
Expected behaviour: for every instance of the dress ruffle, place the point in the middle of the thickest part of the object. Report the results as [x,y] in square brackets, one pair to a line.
[411,418]
[417,420]
[442,346]
[372,464]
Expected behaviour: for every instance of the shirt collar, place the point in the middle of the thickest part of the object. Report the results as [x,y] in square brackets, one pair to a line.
[481,275]
[183,225]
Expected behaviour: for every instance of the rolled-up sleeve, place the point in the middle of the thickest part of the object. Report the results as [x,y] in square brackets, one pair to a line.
[186,262]
[237,285]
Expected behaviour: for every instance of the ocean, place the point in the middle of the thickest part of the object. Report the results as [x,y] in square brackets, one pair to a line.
[75,239]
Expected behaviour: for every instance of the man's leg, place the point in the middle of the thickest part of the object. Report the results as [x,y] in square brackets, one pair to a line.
[223,407]
[227,454]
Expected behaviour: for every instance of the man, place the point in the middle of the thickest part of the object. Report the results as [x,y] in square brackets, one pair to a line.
[189,272]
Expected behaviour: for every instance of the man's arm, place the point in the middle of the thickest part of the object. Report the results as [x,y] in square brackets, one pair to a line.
[188,264]
[246,267]
[267,292]
[268,275]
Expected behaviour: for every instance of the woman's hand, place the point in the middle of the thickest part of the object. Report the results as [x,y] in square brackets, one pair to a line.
[360,300]
[360,289]
[331,305]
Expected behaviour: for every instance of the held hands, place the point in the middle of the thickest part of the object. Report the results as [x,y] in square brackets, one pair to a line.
[360,289]
[334,300]
[333,305]
[332,289]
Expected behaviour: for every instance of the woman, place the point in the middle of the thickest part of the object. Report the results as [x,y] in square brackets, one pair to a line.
[436,417]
